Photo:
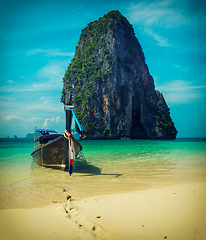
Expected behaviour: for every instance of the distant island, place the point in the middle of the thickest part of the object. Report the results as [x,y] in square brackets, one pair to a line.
[111,87]
[28,136]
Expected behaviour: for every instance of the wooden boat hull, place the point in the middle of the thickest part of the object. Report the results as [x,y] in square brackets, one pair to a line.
[52,154]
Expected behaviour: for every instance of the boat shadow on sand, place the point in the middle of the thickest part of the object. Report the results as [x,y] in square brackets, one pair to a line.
[83,168]
[89,169]
[80,166]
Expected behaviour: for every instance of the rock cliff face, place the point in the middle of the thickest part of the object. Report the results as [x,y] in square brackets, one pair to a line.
[111,87]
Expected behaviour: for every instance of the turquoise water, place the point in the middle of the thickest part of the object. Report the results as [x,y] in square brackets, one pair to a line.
[113,166]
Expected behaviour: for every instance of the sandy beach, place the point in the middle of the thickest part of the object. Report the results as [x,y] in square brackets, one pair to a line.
[173,212]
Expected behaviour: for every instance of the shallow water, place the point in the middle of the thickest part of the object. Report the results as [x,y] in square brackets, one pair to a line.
[113,166]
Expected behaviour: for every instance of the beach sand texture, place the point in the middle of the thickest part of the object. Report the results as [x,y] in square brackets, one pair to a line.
[172,212]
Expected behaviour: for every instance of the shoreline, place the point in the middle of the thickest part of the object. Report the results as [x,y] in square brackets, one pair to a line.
[174,212]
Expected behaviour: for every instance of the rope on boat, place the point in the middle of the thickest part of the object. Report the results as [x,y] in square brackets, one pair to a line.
[81,157]
[69,136]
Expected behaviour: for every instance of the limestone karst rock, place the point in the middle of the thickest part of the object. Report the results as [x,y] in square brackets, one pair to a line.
[111,87]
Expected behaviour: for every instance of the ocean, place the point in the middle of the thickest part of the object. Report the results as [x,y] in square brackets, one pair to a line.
[113,166]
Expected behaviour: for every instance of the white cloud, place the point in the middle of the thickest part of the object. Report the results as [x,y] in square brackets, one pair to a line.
[50,52]
[53,70]
[49,122]
[10,117]
[158,14]
[51,77]
[46,122]
[52,119]
[14,117]
[33,119]
[180,91]
[48,78]
[22,115]
[161,41]
[5,99]
[44,105]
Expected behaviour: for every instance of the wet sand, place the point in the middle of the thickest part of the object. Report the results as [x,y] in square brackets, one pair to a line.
[173,212]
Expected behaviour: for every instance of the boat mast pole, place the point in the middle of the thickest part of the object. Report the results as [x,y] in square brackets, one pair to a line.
[67,133]
[69,141]
[34,135]
[68,118]
[69,111]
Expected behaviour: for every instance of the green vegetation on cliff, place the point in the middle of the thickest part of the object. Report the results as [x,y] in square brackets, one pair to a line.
[88,64]
[110,85]
[163,121]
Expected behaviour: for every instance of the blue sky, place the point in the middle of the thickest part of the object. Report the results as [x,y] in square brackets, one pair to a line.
[38,40]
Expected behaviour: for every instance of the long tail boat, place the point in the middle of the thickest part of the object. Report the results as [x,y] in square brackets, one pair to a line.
[57,150]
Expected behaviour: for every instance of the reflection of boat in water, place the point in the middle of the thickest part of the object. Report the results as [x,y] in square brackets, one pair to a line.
[56,150]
